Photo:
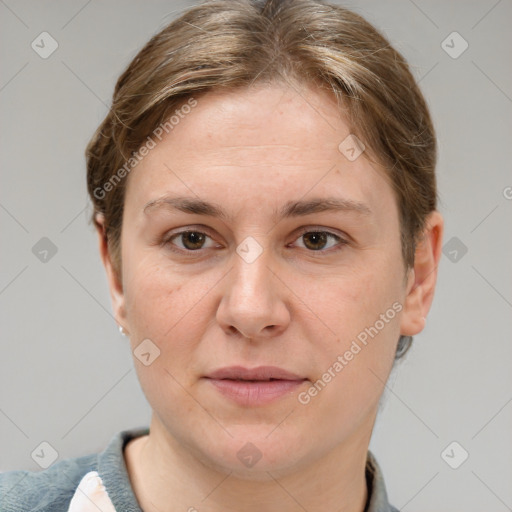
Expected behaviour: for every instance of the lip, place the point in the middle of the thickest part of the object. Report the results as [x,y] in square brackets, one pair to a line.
[258,373]
[254,386]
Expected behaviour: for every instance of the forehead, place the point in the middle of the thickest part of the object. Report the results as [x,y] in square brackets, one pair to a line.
[250,146]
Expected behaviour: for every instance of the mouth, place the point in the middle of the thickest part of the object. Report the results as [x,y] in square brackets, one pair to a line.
[256,386]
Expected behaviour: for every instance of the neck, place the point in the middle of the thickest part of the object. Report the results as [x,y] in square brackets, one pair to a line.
[166,477]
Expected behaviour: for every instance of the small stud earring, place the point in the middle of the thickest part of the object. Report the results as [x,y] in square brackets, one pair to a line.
[122,331]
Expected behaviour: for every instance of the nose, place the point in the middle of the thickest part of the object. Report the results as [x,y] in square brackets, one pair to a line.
[254,301]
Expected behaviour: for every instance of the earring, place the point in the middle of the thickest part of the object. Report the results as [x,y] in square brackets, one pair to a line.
[122,331]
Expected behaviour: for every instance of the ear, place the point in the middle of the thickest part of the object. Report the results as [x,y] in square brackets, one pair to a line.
[114,281]
[422,279]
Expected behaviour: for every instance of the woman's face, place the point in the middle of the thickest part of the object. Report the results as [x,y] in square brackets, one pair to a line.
[274,281]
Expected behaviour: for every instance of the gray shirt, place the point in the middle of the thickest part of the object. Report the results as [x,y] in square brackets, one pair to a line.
[51,490]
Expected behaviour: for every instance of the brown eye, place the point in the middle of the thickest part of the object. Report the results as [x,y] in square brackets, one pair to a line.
[193,240]
[190,240]
[315,240]
[320,241]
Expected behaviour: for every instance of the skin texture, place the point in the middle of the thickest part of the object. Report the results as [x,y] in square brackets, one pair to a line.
[251,151]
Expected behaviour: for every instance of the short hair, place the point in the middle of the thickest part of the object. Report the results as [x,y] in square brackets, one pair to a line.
[229,44]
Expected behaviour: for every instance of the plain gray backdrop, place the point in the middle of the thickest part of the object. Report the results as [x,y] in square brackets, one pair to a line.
[66,374]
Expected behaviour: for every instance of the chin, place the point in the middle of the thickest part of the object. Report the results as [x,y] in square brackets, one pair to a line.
[255,450]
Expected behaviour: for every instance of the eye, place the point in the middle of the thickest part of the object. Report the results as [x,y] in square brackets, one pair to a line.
[190,240]
[319,240]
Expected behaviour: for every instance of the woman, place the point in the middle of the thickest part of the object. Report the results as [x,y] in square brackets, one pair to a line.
[265,201]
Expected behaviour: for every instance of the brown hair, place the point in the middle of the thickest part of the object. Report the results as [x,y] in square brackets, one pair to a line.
[236,43]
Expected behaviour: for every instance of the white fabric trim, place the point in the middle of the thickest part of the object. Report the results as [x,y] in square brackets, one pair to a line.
[91,495]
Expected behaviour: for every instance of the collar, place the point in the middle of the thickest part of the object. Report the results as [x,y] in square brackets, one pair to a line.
[112,477]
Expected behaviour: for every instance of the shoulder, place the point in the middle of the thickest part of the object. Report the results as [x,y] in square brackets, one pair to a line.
[377,493]
[52,489]
[49,490]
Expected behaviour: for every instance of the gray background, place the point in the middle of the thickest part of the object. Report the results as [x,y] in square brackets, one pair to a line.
[66,374]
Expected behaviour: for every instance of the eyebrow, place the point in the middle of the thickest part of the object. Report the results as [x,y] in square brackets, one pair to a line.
[290,209]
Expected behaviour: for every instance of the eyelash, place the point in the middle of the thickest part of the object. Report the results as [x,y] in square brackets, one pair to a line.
[167,242]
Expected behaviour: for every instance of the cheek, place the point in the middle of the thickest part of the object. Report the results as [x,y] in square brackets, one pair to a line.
[170,308]
[152,300]
[159,308]
[353,300]
[362,310]
[353,365]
